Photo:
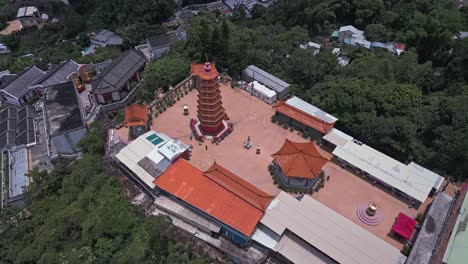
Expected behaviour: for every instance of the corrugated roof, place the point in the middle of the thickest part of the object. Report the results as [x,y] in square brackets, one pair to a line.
[136,115]
[457,249]
[409,179]
[198,69]
[218,193]
[266,78]
[162,40]
[116,74]
[301,160]
[325,230]
[303,117]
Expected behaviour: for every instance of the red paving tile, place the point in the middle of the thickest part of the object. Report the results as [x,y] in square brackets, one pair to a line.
[250,117]
[344,192]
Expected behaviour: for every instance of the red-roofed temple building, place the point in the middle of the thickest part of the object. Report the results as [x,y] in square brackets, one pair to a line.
[217,194]
[210,113]
[298,165]
[310,119]
[136,119]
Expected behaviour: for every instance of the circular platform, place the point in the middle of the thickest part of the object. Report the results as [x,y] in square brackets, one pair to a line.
[368,219]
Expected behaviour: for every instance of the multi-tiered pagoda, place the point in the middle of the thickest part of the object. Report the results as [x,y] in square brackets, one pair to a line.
[210,113]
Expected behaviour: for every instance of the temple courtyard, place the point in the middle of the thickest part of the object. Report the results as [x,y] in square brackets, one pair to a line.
[344,192]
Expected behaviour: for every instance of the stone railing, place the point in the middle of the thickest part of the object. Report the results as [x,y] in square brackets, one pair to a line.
[177,91]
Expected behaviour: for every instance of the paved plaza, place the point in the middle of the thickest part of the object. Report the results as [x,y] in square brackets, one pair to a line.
[344,192]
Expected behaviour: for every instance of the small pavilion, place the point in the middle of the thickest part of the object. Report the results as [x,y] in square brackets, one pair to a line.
[136,119]
[298,165]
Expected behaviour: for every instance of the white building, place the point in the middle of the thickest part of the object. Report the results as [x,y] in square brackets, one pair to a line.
[307,231]
[262,92]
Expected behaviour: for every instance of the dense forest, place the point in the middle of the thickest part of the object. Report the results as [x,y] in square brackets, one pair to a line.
[413,107]
[78,214]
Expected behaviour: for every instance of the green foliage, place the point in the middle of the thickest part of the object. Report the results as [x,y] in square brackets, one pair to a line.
[78,215]
[169,70]
[406,250]
[74,24]
[377,32]
[100,55]
[420,218]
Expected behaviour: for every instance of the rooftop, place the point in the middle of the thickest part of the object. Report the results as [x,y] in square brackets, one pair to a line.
[327,231]
[58,74]
[307,114]
[149,155]
[106,37]
[412,179]
[117,73]
[457,249]
[26,11]
[62,108]
[301,160]
[265,78]
[218,193]
[19,86]
[17,126]
[263,89]
[206,71]
[18,172]
[162,40]
[136,115]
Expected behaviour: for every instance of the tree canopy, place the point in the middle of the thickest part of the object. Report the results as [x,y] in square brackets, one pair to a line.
[78,214]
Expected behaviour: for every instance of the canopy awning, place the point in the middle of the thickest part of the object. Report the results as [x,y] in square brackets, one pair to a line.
[404,226]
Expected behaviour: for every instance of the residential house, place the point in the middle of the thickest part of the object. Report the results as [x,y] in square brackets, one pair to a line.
[58,74]
[118,81]
[161,44]
[103,38]
[29,16]
[315,47]
[17,90]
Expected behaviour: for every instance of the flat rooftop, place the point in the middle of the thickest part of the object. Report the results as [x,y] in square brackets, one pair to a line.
[18,179]
[62,108]
[327,231]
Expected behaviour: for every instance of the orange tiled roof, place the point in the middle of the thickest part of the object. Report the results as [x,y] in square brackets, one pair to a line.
[303,117]
[198,69]
[301,160]
[136,115]
[216,192]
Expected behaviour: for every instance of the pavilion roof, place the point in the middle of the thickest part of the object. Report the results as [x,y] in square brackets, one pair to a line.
[136,115]
[301,160]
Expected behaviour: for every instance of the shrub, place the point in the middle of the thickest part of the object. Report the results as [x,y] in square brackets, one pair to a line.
[420,218]
[291,129]
[285,126]
[405,250]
